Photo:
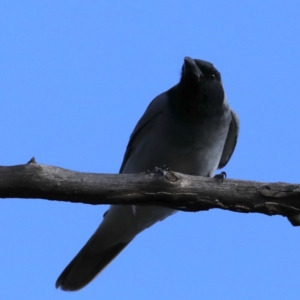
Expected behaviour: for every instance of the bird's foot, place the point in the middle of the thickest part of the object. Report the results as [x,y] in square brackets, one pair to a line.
[221,176]
[162,170]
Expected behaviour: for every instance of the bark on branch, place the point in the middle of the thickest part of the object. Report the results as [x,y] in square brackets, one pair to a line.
[165,188]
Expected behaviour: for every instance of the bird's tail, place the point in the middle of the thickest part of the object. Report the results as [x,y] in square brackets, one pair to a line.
[115,232]
[118,228]
[86,266]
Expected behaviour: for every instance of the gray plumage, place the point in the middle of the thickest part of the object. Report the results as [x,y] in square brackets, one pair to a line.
[191,129]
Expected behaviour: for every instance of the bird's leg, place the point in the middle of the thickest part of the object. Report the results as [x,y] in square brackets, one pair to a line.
[221,176]
[162,170]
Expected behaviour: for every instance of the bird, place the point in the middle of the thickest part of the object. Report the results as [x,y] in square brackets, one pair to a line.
[191,129]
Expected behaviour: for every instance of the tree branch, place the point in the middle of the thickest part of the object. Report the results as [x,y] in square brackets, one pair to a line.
[164,188]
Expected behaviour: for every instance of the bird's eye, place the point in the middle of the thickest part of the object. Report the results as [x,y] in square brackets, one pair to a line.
[213,77]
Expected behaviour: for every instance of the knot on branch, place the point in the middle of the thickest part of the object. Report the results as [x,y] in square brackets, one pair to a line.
[171,177]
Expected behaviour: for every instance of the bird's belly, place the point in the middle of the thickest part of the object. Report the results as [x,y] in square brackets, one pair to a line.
[196,158]
[188,148]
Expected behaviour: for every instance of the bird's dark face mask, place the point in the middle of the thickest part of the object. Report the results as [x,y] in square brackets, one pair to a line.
[201,91]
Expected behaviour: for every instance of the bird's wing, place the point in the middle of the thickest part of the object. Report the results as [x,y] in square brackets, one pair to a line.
[155,108]
[231,140]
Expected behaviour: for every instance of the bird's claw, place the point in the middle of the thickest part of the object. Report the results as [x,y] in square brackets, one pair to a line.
[162,170]
[221,176]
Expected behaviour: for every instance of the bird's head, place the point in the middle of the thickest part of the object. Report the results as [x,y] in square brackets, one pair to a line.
[200,88]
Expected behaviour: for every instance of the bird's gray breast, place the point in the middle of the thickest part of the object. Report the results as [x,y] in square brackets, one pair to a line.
[190,148]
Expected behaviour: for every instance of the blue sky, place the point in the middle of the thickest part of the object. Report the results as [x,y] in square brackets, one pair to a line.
[75,78]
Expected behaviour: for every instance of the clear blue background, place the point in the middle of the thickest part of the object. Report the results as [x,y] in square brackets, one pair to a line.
[75,77]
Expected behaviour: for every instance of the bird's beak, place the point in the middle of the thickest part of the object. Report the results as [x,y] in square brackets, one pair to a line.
[191,68]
